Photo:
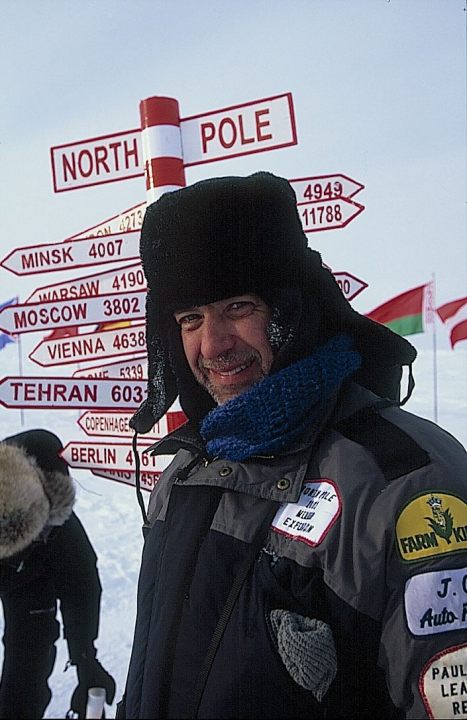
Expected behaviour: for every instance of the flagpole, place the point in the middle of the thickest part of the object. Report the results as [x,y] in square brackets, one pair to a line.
[435,364]
[20,367]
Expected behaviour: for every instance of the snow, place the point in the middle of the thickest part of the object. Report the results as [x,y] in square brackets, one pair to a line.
[112,517]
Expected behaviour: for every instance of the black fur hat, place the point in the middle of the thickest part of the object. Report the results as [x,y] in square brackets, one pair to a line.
[234,235]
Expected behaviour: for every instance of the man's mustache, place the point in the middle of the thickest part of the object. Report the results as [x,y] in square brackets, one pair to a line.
[226,361]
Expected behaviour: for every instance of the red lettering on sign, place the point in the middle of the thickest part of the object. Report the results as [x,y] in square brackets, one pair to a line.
[260,125]
[244,140]
[131,152]
[85,171]
[101,157]
[208,132]
[223,141]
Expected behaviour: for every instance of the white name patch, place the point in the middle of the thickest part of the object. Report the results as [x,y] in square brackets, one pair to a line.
[436,602]
[443,684]
[310,519]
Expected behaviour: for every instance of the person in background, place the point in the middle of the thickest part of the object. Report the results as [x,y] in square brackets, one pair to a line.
[45,557]
[305,551]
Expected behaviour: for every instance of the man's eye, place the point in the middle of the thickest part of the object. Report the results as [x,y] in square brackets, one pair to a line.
[187,322]
[240,309]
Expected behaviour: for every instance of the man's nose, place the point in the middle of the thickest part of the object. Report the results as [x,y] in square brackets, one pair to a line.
[216,338]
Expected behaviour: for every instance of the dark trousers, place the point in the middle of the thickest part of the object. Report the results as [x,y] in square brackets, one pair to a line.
[29,649]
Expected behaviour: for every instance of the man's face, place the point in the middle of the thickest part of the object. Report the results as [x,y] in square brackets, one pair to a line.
[225,344]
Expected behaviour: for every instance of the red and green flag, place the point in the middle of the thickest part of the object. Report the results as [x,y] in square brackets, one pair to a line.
[404,313]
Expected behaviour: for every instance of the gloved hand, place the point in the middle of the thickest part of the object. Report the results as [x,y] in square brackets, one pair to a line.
[91,674]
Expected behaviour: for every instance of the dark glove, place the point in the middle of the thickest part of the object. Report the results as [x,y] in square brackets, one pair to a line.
[91,674]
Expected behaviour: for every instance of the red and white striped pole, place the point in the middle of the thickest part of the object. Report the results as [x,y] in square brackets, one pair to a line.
[161,141]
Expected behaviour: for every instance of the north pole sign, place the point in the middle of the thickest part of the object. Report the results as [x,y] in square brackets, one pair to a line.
[251,127]
[34,317]
[65,393]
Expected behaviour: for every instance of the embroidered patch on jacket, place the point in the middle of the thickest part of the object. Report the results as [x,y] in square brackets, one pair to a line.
[443,684]
[310,519]
[436,602]
[432,524]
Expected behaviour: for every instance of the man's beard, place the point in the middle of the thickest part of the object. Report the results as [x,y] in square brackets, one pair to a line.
[223,393]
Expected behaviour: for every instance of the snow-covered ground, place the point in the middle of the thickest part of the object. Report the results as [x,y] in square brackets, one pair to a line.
[112,518]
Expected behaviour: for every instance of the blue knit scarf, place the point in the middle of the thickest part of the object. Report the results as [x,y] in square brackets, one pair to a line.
[278,409]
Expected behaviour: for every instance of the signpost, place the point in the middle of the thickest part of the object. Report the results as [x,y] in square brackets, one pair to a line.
[132,369]
[324,187]
[250,127]
[70,255]
[131,219]
[65,393]
[350,285]
[127,278]
[161,149]
[34,317]
[111,456]
[147,479]
[96,423]
[328,215]
[90,346]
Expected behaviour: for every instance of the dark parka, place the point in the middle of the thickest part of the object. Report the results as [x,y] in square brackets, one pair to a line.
[355,605]
[56,565]
[346,551]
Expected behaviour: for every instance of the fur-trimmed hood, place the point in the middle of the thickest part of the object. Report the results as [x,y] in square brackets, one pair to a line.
[36,489]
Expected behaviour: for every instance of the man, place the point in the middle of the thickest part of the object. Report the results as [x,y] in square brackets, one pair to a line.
[45,556]
[305,550]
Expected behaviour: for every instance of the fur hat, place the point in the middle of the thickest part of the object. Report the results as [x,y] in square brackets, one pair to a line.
[35,488]
[233,235]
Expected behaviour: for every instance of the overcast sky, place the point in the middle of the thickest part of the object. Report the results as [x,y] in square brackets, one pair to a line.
[379,90]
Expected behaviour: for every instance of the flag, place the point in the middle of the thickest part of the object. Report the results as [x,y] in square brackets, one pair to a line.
[63,332]
[113,325]
[5,338]
[454,315]
[404,313]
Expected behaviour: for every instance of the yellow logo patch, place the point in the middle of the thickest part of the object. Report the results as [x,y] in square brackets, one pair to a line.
[432,524]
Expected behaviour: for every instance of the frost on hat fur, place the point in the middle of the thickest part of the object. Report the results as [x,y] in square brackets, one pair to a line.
[233,235]
[33,494]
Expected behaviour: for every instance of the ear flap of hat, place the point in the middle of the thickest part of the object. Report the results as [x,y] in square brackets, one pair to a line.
[383,352]
[162,384]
